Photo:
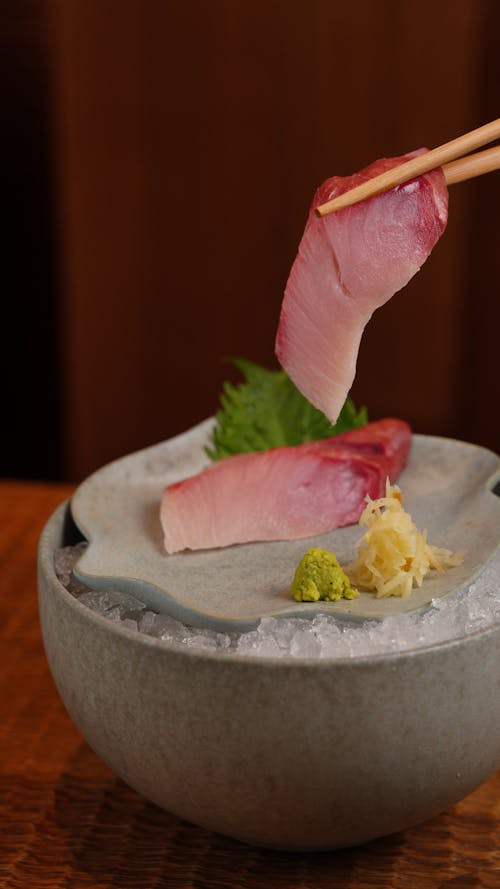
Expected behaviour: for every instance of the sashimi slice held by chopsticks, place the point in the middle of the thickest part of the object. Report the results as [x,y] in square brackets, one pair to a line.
[349,264]
[285,493]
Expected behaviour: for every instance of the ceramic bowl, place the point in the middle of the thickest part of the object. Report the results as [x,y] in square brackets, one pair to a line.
[290,754]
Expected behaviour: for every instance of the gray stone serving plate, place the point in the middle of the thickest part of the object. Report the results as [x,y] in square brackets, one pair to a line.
[309,754]
[447,487]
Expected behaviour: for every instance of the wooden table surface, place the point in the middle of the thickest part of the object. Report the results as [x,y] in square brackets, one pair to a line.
[67,821]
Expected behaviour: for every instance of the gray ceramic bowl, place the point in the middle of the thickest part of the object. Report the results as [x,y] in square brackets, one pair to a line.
[282,753]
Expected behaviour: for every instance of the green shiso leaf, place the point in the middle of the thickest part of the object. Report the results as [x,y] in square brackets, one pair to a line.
[268,411]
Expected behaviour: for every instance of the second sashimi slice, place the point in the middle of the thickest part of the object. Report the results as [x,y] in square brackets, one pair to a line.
[389,440]
[348,264]
[284,493]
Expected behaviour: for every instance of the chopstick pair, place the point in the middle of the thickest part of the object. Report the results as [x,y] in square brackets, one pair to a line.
[452,157]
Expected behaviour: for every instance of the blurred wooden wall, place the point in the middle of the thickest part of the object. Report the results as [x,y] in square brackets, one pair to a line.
[189,138]
[30,438]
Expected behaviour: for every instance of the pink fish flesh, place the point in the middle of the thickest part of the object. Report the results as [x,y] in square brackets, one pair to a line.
[348,264]
[388,439]
[285,493]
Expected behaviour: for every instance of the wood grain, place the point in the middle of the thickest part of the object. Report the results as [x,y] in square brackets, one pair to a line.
[164,104]
[66,822]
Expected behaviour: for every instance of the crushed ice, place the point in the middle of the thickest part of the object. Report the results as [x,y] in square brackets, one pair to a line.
[474,608]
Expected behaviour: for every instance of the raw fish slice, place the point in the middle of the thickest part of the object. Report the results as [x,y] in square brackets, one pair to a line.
[280,494]
[348,264]
[285,493]
[387,439]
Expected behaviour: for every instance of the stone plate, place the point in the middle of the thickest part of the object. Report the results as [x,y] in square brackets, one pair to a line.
[447,487]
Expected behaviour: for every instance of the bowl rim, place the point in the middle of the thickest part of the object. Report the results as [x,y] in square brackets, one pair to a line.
[46,564]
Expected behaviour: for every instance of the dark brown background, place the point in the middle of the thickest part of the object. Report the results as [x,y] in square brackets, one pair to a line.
[161,157]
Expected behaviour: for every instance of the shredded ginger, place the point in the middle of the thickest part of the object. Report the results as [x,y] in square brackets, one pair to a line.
[393,554]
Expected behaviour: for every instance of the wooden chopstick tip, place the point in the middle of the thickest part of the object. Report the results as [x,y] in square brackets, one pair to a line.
[320,211]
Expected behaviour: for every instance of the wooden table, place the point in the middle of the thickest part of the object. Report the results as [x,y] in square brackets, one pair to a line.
[67,821]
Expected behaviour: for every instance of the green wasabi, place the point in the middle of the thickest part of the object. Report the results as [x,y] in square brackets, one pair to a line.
[319,576]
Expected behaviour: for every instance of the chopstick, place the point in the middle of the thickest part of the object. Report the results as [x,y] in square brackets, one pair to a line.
[438,157]
[472,165]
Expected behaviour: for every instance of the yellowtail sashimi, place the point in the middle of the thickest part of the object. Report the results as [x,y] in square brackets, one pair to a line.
[285,493]
[348,264]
